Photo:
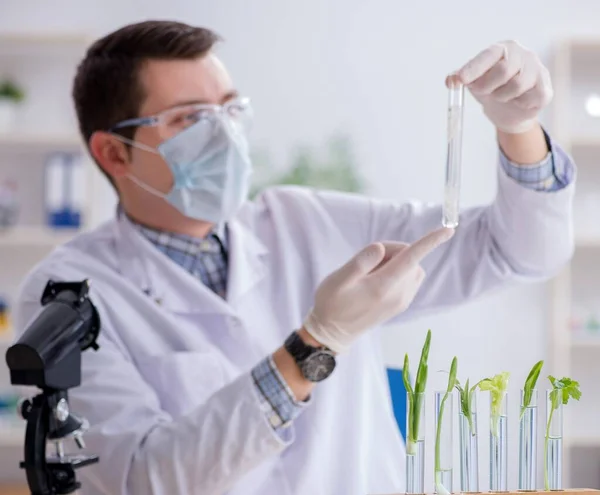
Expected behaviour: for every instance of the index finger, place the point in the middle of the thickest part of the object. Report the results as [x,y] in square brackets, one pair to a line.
[481,63]
[414,253]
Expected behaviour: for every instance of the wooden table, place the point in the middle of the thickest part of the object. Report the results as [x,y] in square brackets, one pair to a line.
[14,489]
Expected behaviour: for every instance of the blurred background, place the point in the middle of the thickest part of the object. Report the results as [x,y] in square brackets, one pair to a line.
[348,95]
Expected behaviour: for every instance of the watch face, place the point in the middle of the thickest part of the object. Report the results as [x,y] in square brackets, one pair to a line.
[318,366]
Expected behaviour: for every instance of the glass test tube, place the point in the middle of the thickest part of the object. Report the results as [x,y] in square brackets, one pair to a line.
[443,449]
[498,450]
[454,155]
[469,450]
[415,445]
[553,445]
[528,443]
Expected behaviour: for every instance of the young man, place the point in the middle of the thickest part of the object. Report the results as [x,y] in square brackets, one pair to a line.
[239,351]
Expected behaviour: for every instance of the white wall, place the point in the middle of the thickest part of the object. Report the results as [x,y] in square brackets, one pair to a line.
[377,69]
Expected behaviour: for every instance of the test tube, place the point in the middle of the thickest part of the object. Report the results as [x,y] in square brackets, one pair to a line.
[444,420]
[528,442]
[451,206]
[498,447]
[415,445]
[553,453]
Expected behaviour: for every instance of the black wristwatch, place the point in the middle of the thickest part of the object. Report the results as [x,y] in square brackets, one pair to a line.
[316,363]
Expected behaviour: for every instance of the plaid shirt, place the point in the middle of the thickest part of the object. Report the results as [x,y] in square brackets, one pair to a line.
[207,259]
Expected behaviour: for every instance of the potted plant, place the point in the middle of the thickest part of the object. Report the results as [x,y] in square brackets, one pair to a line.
[10,96]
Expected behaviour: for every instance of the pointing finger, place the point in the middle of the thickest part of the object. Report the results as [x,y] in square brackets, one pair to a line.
[421,248]
[414,253]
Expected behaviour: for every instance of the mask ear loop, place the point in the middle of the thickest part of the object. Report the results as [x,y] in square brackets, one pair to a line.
[133,178]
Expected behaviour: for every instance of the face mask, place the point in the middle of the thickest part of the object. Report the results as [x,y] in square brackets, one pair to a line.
[211,169]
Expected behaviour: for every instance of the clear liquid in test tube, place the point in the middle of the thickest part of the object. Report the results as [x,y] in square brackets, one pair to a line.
[454,158]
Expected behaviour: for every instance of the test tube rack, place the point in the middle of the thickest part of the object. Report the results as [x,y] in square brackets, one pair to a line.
[566,491]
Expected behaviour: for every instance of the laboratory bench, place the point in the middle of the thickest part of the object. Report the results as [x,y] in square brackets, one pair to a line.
[14,489]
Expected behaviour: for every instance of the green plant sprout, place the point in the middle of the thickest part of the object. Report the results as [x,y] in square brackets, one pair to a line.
[466,401]
[562,391]
[439,487]
[497,386]
[414,404]
[530,386]
[10,91]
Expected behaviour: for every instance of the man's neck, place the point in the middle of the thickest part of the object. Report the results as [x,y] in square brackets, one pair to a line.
[180,225]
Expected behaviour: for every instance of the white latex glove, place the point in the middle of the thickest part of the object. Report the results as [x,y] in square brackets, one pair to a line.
[510,82]
[378,283]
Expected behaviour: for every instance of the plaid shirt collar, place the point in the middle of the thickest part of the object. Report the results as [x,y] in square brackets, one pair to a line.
[205,258]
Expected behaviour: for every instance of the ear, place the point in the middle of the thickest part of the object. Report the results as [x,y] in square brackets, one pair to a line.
[111,154]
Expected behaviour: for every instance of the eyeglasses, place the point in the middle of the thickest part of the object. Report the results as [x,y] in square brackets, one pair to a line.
[174,120]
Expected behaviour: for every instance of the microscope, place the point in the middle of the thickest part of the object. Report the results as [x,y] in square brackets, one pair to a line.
[48,356]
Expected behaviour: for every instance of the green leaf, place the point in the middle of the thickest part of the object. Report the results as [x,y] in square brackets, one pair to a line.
[452,377]
[563,390]
[11,91]
[497,386]
[422,370]
[530,385]
[406,376]
[415,404]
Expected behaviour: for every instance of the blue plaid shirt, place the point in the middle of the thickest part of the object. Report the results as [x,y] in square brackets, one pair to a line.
[207,260]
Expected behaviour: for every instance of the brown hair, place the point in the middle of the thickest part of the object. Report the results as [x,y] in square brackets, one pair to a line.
[106,88]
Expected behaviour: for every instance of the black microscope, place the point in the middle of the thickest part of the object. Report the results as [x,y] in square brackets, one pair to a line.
[48,356]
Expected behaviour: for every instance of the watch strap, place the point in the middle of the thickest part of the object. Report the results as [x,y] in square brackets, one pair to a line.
[299,349]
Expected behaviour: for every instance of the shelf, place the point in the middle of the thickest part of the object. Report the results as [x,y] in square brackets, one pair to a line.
[35,236]
[584,43]
[587,241]
[50,141]
[585,342]
[6,339]
[44,38]
[40,44]
[591,441]
[583,141]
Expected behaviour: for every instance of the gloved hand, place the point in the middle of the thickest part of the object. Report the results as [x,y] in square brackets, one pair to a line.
[378,283]
[510,82]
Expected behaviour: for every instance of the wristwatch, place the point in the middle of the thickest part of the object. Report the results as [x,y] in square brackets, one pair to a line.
[316,363]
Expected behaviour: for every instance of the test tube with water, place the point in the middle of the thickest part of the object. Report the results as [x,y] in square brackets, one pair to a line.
[454,155]
[498,447]
[444,416]
[415,444]
[528,442]
[553,454]
[469,448]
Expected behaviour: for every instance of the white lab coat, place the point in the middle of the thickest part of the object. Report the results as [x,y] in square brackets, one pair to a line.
[171,404]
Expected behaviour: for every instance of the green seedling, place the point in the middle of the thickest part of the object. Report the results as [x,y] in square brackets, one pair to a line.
[466,402]
[562,391]
[497,386]
[439,486]
[530,386]
[415,397]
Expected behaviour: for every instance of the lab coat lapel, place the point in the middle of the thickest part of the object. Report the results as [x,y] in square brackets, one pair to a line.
[247,265]
[171,286]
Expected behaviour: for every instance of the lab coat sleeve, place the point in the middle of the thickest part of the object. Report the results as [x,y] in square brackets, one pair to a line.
[524,235]
[142,449]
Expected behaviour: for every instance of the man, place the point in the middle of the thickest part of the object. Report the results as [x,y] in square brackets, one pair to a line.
[239,351]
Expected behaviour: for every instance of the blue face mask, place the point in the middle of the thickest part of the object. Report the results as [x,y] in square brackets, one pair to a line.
[211,167]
